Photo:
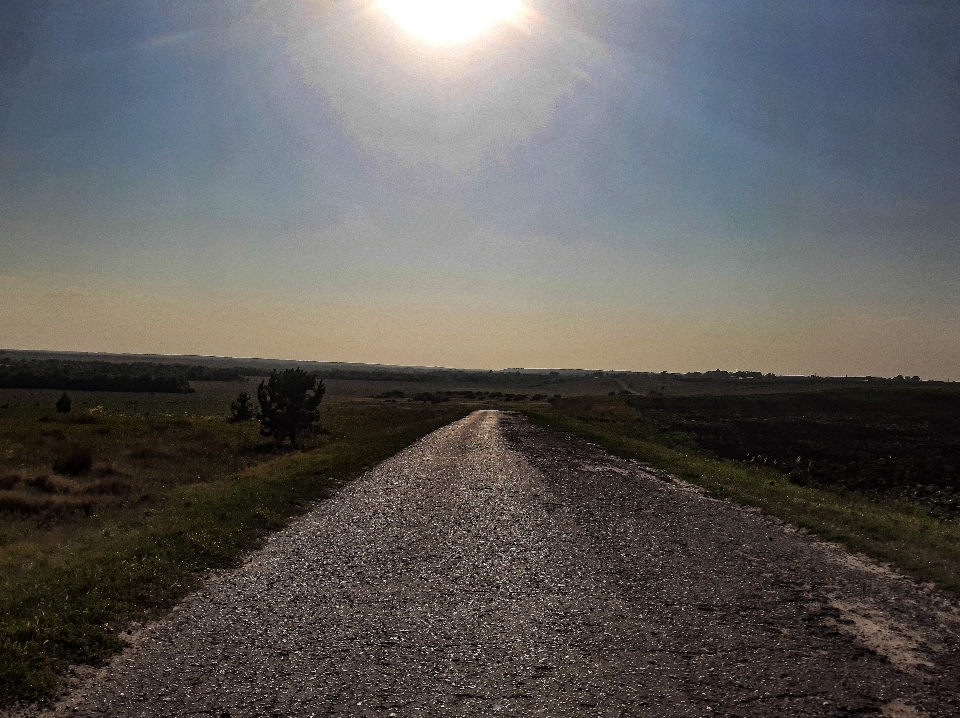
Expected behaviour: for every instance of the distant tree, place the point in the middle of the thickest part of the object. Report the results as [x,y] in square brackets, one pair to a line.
[288,404]
[242,408]
[63,404]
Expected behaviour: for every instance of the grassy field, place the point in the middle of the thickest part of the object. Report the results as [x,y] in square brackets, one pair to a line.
[915,537]
[111,513]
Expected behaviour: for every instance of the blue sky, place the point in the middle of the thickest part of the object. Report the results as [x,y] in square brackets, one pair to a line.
[646,185]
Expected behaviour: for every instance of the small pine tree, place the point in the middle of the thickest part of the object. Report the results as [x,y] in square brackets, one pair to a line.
[242,408]
[288,404]
[63,404]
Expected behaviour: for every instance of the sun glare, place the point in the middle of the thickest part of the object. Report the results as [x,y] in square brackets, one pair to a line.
[447,22]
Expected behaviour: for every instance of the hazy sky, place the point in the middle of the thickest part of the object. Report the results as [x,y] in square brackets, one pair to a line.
[677,185]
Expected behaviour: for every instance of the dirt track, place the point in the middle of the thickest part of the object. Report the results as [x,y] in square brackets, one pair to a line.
[495,569]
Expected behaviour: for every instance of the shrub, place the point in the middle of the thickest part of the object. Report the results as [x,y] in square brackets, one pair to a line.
[63,404]
[21,503]
[432,398]
[76,461]
[288,404]
[52,484]
[242,408]
[40,483]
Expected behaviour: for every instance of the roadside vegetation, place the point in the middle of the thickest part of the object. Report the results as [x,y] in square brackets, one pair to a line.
[111,512]
[789,457]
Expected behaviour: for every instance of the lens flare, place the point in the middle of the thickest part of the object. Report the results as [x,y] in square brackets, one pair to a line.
[448,22]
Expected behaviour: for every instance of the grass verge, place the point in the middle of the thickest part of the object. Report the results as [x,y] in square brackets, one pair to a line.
[70,605]
[905,535]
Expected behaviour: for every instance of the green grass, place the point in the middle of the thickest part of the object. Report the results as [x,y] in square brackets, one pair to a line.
[904,534]
[73,582]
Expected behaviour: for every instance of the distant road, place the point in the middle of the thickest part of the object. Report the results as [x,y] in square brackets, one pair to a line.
[494,569]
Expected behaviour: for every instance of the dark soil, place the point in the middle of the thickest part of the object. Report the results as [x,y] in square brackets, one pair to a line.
[904,441]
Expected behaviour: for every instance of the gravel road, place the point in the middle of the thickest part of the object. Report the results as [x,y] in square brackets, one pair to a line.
[496,569]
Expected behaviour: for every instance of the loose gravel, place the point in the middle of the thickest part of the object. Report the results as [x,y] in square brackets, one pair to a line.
[494,568]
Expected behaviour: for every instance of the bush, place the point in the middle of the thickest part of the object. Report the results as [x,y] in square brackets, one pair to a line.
[432,398]
[20,503]
[41,483]
[63,404]
[78,460]
[288,404]
[241,409]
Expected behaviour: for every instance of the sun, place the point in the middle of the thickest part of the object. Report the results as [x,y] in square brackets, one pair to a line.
[448,22]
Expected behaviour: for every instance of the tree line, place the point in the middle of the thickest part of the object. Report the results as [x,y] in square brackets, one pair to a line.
[71,375]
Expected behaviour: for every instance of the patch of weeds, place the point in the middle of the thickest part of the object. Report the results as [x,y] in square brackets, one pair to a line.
[40,483]
[76,461]
[17,502]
